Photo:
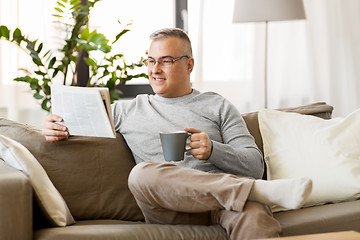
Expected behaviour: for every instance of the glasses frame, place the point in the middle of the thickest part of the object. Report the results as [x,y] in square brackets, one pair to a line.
[146,61]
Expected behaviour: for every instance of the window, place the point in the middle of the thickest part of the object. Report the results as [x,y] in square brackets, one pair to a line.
[227,55]
[227,48]
[145,20]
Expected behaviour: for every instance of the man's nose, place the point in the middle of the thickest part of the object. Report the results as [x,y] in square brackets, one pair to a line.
[156,67]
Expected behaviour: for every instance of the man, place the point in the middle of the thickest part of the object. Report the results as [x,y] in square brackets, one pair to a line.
[215,183]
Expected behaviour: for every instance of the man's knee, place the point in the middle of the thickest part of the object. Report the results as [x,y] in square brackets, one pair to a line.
[147,174]
[139,174]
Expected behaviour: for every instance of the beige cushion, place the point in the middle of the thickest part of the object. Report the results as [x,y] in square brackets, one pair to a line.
[90,173]
[51,202]
[120,230]
[320,219]
[327,151]
[319,109]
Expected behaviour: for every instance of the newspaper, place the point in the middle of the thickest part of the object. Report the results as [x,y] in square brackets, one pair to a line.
[86,111]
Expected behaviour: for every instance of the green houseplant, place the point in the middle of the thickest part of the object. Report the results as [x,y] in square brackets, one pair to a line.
[73,16]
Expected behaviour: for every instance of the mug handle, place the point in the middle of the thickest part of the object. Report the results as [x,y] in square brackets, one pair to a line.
[187,149]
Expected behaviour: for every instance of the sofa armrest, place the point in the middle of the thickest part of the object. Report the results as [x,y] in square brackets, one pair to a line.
[15,204]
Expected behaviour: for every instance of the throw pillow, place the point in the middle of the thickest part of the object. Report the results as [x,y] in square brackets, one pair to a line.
[52,203]
[327,151]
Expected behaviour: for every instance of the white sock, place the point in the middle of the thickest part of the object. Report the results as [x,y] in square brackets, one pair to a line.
[286,193]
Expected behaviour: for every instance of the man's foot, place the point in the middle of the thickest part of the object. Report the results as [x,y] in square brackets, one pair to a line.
[286,193]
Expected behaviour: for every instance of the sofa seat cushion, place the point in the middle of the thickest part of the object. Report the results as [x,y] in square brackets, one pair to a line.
[117,229]
[319,219]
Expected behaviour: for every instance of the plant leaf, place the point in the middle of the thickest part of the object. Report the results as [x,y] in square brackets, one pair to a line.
[105,49]
[90,62]
[34,84]
[38,96]
[85,34]
[23,79]
[52,62]
[4,32]
[98,39]
[45,105]
[47,90]
[36,59]
[60,4]
[40,73]
[40,47]
[59,10]
[120,34]
[17,36]
[55,72]
[49,51]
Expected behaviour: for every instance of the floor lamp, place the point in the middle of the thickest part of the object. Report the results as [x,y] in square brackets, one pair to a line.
[265,11]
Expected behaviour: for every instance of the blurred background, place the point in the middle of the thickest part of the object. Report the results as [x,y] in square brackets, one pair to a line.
[309,60]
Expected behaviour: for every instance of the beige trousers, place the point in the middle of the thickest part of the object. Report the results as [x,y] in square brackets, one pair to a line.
[169,194]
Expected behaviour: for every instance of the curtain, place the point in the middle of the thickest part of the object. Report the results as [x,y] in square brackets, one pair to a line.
[308,60]
[228,57]
[333,38]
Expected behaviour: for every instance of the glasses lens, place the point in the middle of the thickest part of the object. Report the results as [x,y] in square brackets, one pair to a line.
[149,62]
[166,61]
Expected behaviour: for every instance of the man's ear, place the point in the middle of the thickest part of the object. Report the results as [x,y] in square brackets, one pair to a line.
[190,65]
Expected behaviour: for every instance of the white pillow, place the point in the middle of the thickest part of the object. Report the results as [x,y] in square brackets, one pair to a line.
[51,202]
[327,151]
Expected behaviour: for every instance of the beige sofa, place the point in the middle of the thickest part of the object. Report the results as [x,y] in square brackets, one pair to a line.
[91,175]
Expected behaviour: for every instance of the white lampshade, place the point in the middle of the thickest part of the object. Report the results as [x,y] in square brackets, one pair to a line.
[267,10]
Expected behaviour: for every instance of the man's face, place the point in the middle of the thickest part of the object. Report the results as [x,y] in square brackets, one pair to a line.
[172,80]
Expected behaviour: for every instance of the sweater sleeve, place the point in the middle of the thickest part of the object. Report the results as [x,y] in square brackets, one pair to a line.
[237,153]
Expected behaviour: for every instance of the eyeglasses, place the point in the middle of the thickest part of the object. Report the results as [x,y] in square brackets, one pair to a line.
[164,61]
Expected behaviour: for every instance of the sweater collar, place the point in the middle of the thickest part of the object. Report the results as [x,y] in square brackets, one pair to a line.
[177,99]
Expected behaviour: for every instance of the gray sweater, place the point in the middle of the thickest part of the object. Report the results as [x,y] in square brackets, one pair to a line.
[234,151]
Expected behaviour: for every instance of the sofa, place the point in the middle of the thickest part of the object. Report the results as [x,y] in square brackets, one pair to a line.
[91,176]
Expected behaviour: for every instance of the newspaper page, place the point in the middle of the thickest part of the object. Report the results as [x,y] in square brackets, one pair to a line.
[86,111]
